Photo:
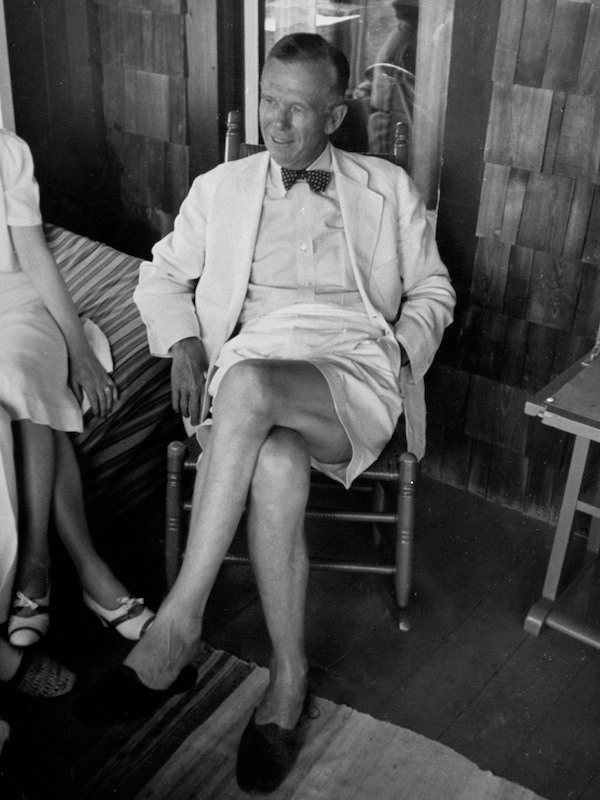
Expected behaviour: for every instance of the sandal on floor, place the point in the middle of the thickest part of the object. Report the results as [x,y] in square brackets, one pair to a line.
[131,619]
[29,620]
[120,696]
[39,675]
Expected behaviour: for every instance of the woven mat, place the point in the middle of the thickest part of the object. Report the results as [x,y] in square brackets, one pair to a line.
[188,750]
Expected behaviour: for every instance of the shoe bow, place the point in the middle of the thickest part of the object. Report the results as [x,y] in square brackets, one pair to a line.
[23,601]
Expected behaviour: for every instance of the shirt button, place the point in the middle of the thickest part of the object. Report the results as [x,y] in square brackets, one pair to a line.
[303,247]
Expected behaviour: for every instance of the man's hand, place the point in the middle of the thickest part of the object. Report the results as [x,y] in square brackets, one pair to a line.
[187,377]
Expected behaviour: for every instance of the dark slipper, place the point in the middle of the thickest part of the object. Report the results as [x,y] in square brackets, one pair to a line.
[120,696]
[39,675]
[267,754]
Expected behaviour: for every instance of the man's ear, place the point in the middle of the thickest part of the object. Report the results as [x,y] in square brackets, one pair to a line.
[336,117]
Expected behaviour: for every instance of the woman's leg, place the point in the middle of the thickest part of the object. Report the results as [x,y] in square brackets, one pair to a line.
[8,514]
[35,470]
[72,527]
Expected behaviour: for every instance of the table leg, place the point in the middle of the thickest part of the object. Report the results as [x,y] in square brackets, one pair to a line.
[539,611]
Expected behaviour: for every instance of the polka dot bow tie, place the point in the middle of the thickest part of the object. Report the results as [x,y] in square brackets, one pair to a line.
[317,179]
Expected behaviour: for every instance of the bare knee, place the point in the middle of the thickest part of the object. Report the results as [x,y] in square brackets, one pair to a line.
[246,389]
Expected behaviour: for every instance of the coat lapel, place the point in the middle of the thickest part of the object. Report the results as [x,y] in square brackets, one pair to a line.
[361,209]
[239,198]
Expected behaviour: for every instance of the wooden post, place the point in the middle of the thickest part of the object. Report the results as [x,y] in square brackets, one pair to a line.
[174,510]
[233,136]
[404,535]
[203,85]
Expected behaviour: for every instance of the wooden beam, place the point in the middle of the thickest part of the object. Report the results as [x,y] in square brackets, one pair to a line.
[252,60]
[434,39]
[7,114]
[203,85]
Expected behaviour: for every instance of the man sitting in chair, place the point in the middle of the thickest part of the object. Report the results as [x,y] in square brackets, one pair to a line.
[301,311]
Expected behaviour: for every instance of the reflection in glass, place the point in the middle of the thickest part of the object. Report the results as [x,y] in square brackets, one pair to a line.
[379,37]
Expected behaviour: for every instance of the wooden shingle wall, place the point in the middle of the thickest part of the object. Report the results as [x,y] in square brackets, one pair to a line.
[123,103]
[57,100]
[143,57]
[533,303]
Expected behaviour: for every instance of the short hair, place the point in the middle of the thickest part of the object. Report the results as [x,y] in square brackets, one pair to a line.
[313,47]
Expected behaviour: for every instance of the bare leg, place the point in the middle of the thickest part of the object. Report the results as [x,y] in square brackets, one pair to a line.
[254,397]
[71,524]
[48,473]
[9,535]
[278,552]
[35,468]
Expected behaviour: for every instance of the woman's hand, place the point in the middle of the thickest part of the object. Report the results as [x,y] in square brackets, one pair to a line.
[88,375]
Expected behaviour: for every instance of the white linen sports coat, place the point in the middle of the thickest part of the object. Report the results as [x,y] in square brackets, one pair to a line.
[196,283]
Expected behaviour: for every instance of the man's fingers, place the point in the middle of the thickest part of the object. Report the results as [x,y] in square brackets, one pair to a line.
[187,404]
[194,410]
[180,401]
[186,391]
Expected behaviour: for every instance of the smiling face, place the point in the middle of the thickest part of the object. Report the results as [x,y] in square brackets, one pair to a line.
[299,109]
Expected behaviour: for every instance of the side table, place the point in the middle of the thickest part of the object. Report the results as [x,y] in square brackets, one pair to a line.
[570,403]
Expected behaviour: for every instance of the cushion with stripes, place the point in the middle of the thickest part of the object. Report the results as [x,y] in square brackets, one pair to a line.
[122,457]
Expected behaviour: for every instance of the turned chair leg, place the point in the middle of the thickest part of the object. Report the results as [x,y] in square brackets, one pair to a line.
[405,536]
[174,510]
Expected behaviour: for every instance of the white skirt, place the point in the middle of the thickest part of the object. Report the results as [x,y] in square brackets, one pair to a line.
[34,366]
[360,361]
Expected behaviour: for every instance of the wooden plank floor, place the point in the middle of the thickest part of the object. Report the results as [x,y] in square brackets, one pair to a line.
[526,708]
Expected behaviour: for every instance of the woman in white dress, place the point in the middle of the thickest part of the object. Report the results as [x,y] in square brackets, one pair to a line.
[46,366]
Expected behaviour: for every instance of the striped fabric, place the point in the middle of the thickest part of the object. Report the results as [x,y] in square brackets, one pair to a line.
[122,458]
[117,763]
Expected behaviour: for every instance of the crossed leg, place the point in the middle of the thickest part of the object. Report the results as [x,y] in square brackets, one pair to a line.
[269,417]
[278,497]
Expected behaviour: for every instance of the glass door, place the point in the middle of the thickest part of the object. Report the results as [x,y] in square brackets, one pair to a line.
[399,54]
[380,40]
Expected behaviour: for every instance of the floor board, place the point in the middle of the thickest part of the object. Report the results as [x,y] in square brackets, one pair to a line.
[466,674]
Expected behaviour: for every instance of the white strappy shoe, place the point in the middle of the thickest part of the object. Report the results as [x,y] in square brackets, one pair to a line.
[131,619]
[29,619]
